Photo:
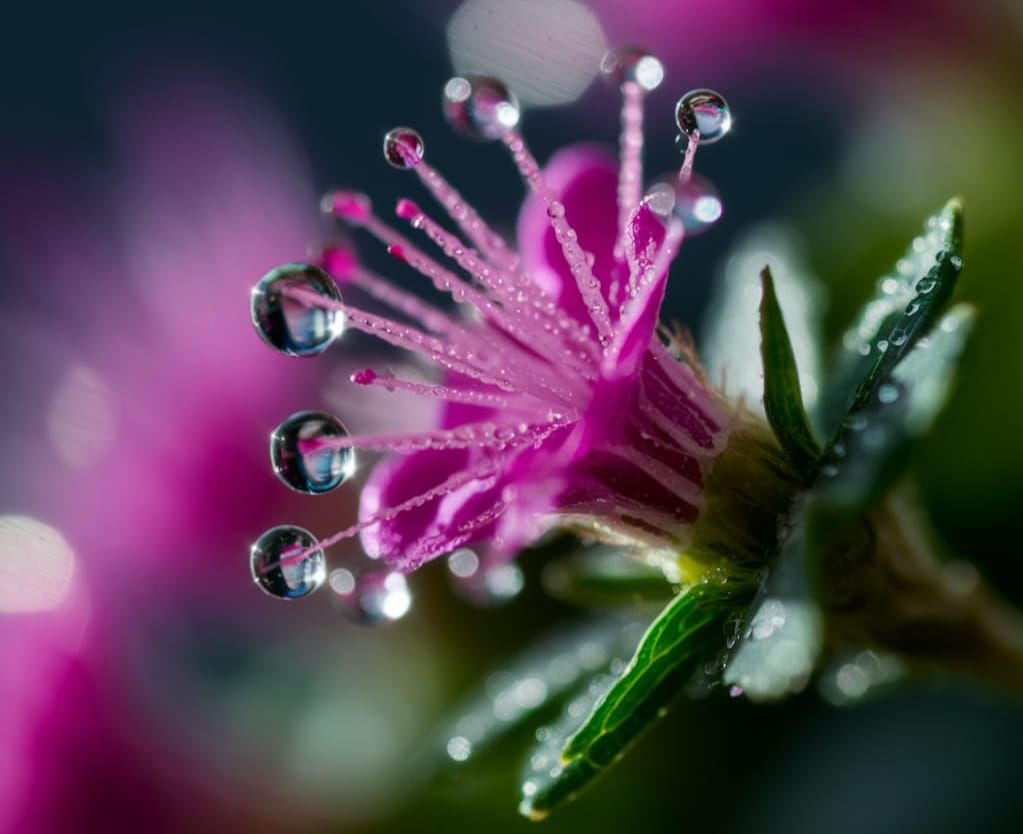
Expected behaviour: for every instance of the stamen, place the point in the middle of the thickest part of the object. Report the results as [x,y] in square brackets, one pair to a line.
[446,393]
[686,172]
[630,168]
[484,435]
[484,471]
[538,328]
[489,242]
[578,260]
[404,302]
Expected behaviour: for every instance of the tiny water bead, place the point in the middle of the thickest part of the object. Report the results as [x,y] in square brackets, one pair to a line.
[403,147]
[283,565]
[303,456]
[371,597]
[632,65]
[703,112]
[287,314]
[480,107]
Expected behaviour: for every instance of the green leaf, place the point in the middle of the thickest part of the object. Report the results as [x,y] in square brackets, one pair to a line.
[874,443]
[602,576]
[783,635]
[907,302]
[731,342]
[537,679]
[688,632]
[783,398]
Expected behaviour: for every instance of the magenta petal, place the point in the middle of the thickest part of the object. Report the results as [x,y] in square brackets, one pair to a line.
[397,479]
[585,179]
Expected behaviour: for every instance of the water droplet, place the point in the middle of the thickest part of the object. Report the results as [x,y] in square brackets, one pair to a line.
[280,569]
[503,582]
[480,107]
[353,206]
[697,204]
[769,618]
[459,748]
[704,111]
[491,586]
[303,457]
[403,147]
[285,312]
[887,393]
[463,563]
[632,65]
[373,596]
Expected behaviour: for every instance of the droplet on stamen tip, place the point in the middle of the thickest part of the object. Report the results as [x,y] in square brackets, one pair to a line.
[371,597]
[282,565]
[704,112]
[403,147]
[303,456]
[694,201]
[353,206]
[632,64]
[285,312]
[338,261]
[364,377]
[479,107]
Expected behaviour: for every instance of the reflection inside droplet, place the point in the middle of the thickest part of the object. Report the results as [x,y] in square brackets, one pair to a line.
[304,457]
[282,564]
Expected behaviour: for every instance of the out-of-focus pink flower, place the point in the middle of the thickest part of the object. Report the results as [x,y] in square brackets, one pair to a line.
[731,36]
[134,409]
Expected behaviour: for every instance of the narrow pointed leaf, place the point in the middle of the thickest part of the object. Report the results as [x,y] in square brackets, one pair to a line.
[908,301]
[731,334]
[688,632]
[874,443]
[783,398]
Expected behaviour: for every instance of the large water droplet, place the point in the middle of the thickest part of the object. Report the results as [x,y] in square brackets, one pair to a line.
[480,107]
[286,312]
[373,596]
[704,111]
[403,147]
[303,456]
[632,65]
[279,566]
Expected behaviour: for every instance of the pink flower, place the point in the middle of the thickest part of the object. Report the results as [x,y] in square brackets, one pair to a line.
[126,422]
[562,406]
